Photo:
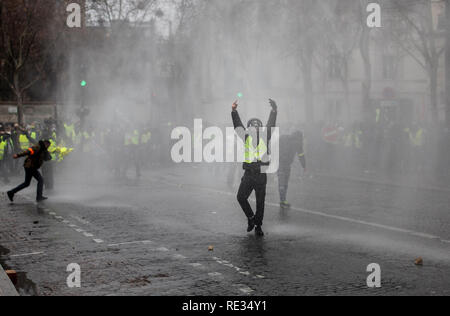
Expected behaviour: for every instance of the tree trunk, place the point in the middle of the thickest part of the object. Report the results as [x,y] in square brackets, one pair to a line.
[20,111]
[434,94]
[308,90]
[367,81]
[19,98]
[447,63]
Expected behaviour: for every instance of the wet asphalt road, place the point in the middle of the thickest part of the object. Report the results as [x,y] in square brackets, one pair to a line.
[151,237]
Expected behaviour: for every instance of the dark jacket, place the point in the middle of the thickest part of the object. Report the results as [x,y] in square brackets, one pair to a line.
[290,146]
[256,166]
[36,156]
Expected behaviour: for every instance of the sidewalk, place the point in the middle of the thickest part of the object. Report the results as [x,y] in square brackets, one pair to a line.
[6,287]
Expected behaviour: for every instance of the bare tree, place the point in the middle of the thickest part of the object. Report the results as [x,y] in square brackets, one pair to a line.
[412,26]
[27,38]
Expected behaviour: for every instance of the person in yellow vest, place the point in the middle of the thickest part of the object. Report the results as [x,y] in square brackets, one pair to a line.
[69,133]
[3,152]
[254,179]
[132,143]
[36,156]
[416,135]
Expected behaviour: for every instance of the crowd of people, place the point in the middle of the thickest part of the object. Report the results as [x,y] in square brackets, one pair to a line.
[84,144]
[384,148]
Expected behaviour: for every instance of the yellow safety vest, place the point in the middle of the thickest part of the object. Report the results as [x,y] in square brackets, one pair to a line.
[24,142]
[2,149]
[135,138]
[70,131]
[52,149]
[145,138]
[253,154]
[417,139]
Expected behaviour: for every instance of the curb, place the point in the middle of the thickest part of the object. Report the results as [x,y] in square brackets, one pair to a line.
[6,287]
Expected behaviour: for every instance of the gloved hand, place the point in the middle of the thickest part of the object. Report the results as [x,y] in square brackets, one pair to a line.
[273,104]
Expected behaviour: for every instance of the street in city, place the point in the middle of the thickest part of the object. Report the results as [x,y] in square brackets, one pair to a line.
[171,234]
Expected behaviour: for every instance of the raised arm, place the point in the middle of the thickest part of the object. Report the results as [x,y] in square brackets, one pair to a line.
[235,117]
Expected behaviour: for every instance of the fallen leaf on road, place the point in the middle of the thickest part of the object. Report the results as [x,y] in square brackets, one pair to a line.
[210,248]
[418,262]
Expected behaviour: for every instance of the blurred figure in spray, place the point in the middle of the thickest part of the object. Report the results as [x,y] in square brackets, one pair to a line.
[132,144]
[6,153]
[36,156]
[290,146]
[254,179]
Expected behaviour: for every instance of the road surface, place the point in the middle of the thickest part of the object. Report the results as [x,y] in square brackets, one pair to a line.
[180,231]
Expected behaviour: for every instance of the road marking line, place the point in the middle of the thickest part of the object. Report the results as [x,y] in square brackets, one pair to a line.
[52,213]
[27,254]
[65,221]
[246,289]
[131,243]
[162,249]
[88,234]
[79,230]
[341,218]
[98,241]
[179,257]
[214,274]
[73,226]
[59,217]
[195,265]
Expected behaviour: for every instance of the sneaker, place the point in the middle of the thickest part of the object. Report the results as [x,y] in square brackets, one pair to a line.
[10,196]
[285,204]
[251,224]
[42,198]
[259,232]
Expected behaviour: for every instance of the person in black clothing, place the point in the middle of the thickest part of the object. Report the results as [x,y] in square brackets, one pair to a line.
[290,146]
[36,156]
[254,179]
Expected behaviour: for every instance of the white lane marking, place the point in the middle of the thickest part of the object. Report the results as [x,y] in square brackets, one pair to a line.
[52,213]
[98,241]
[162,249]
[65,221]
[59,217]
[260,276]
[215,274]
[27,254]
[181,257]
[371,224]
[341,218]
[245,289]
[81,220]
[79,230]
[195,265]
[226,263]
[73,226]
[131,243]
[88,234]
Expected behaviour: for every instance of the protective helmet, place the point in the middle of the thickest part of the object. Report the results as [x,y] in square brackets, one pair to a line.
[255,123]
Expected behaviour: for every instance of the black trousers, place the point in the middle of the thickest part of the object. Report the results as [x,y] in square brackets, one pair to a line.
[47,173]
[284,173]
[253,182]
[29,174]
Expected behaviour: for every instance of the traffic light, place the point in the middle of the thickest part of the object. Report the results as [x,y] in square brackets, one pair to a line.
[240,95]
[83,83]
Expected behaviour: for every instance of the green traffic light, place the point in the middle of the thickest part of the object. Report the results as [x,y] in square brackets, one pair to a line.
[240,95]
[83,83]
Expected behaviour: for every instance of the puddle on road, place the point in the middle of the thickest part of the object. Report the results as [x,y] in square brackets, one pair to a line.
[24,286]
